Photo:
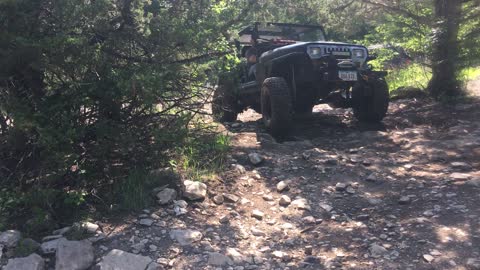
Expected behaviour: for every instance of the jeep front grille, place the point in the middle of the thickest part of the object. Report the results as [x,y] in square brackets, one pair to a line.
[329,50]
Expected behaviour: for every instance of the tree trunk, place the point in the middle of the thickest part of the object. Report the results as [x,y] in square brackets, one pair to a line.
[445,49]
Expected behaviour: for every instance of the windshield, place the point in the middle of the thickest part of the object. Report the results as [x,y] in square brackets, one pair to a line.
[282,32]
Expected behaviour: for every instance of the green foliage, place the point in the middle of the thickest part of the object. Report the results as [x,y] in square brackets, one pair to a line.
[469,74]
[134,192]
[414,75]
[202,155]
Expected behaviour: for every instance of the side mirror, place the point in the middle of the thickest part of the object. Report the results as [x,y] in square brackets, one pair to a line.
[372,56]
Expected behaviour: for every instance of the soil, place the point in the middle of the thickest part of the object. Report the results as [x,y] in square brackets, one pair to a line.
[399,195]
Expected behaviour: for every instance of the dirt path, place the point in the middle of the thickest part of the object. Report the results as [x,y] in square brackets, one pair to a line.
[402,195]
[473,87]
[335,195]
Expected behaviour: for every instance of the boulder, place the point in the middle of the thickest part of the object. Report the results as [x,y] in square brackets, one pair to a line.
[32,262]
[10,238]
[74,255]
[166,196]
[121,260]
[195,190]
[50,247]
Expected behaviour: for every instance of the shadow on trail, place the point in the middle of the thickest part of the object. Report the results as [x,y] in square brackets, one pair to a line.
[409,155]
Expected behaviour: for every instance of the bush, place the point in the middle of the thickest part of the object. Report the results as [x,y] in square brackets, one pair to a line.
[94,94]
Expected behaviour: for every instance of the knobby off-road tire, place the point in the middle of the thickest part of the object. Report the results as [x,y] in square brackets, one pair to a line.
[370,100]
[276,106]
[224,103]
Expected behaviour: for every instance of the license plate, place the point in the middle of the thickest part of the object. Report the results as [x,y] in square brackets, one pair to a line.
[348,75]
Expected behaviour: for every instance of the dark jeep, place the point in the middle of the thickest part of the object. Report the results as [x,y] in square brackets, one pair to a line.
[294,73]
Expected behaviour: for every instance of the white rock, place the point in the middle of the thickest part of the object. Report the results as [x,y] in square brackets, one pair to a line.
[284,201]
[428,258]
[461,166]
[231,198]
[257,214]
[235,255]
[186,237]
[255,158]
[179,211]
[62,231]
[218,259]
[32,262]
[90,227]
[146,222]
[51,237]
[195,190]
[281,186]
[121,260]
[50,247]
[268,197]
[166,196]
[239,168]
[278,254]
[180,203]
[258,232]
[460,176]
[301,204]
[326,207]
[340,187]
[10,238]
[74,255]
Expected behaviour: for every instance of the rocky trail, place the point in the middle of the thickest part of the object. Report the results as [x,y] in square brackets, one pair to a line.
[334,195]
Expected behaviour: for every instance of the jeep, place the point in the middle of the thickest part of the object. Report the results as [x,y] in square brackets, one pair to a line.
[291,68]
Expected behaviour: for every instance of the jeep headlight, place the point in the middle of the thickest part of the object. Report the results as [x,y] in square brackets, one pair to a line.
[315,51]
[358,53]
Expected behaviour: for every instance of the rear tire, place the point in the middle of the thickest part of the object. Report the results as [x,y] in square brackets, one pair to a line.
[224,107]
[370,100]
[276,106]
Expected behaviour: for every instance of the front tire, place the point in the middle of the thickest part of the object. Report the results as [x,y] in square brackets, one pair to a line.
[370,100]
[224,107]
[276,106]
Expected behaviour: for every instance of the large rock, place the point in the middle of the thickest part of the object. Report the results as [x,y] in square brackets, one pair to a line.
[32,262]
[121,260]
[195,190]
[186,237]
[74,255]
[50,247]
[166,196]
[10,238]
